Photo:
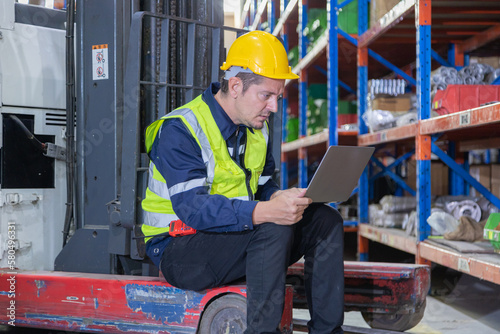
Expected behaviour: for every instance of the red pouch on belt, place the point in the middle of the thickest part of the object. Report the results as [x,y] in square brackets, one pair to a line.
[178,229]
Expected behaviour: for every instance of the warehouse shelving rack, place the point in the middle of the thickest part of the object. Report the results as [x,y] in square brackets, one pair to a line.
[405,31]
[311,68]
[320,64]
[472,129]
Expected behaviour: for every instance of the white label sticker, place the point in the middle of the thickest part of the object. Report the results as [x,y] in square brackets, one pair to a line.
[100,62]
[465,118]
[463,265]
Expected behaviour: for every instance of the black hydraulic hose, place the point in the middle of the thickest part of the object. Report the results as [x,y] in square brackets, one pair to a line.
[70,117]
[34,140]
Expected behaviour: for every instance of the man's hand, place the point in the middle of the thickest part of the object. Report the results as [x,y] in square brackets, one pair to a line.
[285,207]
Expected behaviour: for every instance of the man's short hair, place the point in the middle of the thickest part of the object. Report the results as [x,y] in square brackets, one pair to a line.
[247,79]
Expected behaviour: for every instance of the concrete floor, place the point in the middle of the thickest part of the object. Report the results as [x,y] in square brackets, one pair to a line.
[458,304]
[472,306]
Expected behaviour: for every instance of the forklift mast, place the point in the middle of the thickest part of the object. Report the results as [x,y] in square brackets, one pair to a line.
[135,61]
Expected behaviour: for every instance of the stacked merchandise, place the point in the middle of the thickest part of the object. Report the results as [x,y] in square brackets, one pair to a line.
[470,87]
[492,231]
[316,26]
[392,211]
[317,108]
[293,56]
[317,115]
[348,18]
[317,104]
[461,218]
[292,129]
[347,115]
[474,74]
[488,175]
[388,106]
[455,218]
[348,212]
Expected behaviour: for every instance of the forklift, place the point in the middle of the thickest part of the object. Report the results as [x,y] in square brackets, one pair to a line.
[78,88]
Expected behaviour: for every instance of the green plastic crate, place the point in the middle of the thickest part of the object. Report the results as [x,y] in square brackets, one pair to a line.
[292,129]
[316,25]
[317,91]
[347,107]
[293,56]
[348,18]
[490,231]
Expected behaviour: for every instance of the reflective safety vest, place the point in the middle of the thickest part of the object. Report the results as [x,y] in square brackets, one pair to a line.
[224,176]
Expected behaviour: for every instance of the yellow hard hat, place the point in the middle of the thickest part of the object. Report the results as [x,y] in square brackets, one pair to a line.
[262,53]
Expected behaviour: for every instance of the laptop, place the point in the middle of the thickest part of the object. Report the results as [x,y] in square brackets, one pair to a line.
[338,173]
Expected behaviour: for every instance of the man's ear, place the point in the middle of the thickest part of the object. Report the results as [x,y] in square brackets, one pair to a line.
[235,87]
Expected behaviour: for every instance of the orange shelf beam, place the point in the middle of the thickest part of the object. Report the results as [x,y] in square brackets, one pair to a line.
[318,138]
[350,229]
[391,237]
[389,135]
[483,266]
[464,119]
[480,39]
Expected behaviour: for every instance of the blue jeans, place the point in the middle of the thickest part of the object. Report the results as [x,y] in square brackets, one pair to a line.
[262,256]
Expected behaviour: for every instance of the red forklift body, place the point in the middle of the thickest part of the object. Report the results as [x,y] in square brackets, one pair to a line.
[109,303]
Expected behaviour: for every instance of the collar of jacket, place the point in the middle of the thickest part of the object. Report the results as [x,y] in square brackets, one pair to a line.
[225,124]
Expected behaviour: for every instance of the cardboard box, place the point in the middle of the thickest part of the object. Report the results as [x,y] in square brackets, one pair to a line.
[495,174]
[487,175]
[481,173]
[393,104]
[492,61]
[379,8]
[439,177]
[495,189]
[495,180]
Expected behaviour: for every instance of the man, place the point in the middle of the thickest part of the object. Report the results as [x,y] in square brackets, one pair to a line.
[211,167]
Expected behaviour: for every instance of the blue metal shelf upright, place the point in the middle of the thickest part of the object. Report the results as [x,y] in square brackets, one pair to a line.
[326,47]
[436,136]
[302,94]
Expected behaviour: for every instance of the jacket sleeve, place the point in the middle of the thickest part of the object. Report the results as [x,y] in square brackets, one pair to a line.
[177,156]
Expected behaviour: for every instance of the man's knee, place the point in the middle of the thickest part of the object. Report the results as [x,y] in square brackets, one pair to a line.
[273,237]
[274,231]
[325,227]
[327,213]
[324,219]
